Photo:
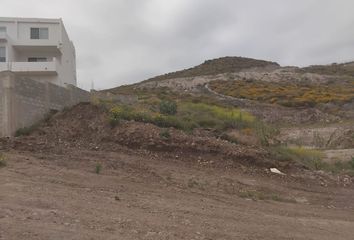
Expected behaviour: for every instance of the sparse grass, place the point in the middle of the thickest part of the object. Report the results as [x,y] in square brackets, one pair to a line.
[195,183]
[98,168]
[351,163]
[165,134]
[342,167]
[3,162]
[310,158]
[229,138]
[264,132]
[189,116]
[290,95]
[25,131]
[187,112]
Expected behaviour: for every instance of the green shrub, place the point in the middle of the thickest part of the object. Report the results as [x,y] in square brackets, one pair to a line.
[168,107]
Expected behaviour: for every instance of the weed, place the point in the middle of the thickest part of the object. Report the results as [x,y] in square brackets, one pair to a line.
[193,183]
[98,168]
[264,132]
[229,138]
[3,162]
[165,134]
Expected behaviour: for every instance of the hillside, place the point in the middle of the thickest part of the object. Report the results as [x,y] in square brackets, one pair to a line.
[234,143]
[218,66]
[332,69]
[212,67]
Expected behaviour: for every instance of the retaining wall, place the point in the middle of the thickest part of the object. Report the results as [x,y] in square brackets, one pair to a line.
[24,101]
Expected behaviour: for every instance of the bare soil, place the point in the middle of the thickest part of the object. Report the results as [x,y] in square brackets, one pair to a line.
[144,196]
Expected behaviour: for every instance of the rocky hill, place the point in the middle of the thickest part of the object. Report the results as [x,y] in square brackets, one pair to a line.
[320,98]
[332,69]
[218,66]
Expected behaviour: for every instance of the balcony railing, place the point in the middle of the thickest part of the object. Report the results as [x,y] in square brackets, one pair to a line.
[38,44]
[30,67]
[4,37]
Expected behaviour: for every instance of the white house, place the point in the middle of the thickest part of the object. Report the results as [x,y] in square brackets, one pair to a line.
[39,49]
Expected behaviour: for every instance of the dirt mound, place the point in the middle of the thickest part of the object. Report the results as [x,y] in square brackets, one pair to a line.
[87,126]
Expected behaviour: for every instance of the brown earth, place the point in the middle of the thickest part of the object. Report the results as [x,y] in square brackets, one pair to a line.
[152,188]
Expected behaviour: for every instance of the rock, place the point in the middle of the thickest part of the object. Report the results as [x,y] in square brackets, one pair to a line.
[276,171]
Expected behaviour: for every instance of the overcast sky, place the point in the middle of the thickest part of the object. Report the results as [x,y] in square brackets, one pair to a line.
[125,41]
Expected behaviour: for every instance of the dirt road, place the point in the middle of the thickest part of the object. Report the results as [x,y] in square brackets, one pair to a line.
[59,196]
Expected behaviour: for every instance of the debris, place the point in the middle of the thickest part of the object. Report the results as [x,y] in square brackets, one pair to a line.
[276,171]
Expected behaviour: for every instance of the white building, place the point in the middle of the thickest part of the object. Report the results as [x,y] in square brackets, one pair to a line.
[39,49]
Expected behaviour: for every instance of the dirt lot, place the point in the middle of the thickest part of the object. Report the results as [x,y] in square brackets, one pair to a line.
[148,187]
[141,195]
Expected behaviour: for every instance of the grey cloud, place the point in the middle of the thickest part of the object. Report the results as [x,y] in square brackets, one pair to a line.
[121,42]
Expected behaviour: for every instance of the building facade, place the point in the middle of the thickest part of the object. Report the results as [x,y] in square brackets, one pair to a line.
[39,49]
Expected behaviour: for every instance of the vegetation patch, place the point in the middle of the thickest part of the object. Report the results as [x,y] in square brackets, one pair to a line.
[190,115]
[25,131]
[343,167]
[290,95]
[165,134]
[3,162]
[310,158]
[168,107]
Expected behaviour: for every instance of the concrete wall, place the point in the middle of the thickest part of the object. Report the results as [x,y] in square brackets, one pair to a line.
[23,101]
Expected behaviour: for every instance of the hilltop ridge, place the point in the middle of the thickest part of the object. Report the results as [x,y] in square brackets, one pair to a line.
[217,66]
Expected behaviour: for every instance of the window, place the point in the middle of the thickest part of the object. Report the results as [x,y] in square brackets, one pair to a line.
[2,29]
[39,33]
[2,54]
[37,59]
